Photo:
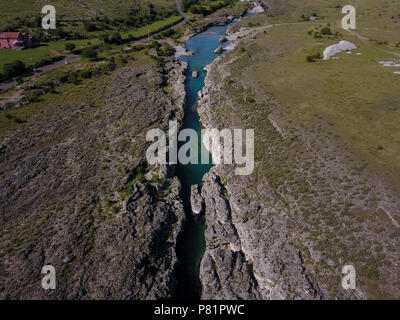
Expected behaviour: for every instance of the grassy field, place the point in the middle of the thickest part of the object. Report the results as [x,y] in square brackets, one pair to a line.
[33,55]
[154,27]
[345,111]
[377,20]
[345,93]
[30,56]
[82,8]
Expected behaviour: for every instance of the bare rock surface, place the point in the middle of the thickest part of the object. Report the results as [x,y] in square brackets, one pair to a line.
[225,272]
[196,200]
[77,192]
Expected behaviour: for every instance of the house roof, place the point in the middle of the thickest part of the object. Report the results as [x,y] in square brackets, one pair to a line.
[9,35]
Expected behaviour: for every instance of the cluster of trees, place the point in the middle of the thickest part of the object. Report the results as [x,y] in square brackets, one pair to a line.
[18,67]
[323,32]
[137,17]
[204,7]
[13,69]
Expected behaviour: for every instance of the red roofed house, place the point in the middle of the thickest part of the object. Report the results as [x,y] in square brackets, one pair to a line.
[14,40]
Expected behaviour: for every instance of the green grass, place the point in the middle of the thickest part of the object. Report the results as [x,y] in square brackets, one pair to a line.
[80,44]
[32,55]
[344,93]
[9,10]
[29,56]
[154,27]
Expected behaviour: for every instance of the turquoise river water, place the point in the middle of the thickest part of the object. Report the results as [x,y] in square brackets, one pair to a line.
[191,243]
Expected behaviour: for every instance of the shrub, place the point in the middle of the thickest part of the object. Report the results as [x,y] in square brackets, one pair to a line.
[73,78]
[105,38]
[19,80]
[14,69]
[85,74]
[32,98]
[314,57]
[107,67]
[89,52]
[63,78]
[326,31]
[70,46]
[89,27]
[116,38]
[120,60]
[166,51]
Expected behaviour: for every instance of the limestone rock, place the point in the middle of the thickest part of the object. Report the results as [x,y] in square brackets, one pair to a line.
[223,39]
[218,50]
[196,200]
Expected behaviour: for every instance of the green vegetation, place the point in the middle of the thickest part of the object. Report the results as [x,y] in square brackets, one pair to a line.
[334,110]
[314,57]
[204,7]
[153,28]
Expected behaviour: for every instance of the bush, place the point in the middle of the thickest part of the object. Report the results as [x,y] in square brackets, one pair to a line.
[13,69]
[105,38]
[89,27]
[166,51]
[326,31]
[63,78]
[85,74]
[70,46]
[19,80]
[116,38]
[314,57]
[107,67]
[73,78]
[120,60]
[89,52]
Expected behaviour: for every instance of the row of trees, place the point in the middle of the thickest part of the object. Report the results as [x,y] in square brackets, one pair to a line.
[204,7]
[18,67]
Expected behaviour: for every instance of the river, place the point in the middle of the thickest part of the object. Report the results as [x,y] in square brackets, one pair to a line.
[191,243]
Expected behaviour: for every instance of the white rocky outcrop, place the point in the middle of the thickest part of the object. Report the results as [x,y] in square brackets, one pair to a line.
[337,48]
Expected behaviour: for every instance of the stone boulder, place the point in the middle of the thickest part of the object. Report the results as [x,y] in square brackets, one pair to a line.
[196,200]
[218,50]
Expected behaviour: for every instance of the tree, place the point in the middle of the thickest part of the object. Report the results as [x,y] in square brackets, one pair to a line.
[104,37]
[89,27]
[70,46]
[37,21]
[116,38]
[13,69]
[326,31]
[89,52]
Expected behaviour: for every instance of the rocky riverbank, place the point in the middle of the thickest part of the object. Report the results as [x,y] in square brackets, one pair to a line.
[287,229]
[245,257]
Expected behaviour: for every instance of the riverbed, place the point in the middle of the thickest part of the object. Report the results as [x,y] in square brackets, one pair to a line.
[191,243]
